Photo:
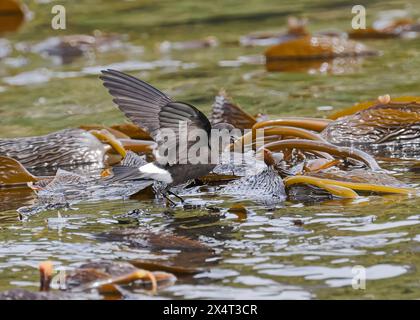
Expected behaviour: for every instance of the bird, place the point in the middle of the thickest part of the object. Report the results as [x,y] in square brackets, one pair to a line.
[151,109]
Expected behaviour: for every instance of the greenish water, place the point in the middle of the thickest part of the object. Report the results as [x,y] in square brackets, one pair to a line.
[263,255]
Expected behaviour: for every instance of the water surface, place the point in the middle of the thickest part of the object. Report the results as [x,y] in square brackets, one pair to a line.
[263,254]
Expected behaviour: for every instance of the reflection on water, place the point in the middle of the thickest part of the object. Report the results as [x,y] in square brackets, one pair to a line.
[293,250]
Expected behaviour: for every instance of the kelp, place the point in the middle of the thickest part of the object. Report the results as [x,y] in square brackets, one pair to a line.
[105,277]
[133,131]
[314,124]
[317,47]
[12,15]
[14,174]
[346,189]
[308,145]
[370,104]
[224,110]
[388,128]
[386,29]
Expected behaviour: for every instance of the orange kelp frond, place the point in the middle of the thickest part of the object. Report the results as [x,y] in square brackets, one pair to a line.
[384,29]
[13,173]
[116,133]
[371,33]
[12,15]
[366,187]
[317,47]
[107,137]
[133,131]
[46,270]
[314,124]
[308,145]
[165,267]
[382,100]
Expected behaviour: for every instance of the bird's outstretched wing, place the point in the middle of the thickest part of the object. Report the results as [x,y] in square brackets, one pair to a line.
[154,111]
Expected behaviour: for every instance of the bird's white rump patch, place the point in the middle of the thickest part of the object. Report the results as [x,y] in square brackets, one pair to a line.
[156,173]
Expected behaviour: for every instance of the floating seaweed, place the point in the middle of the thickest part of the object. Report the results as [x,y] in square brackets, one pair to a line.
[388,28]
[12,15]
[71,147]
[70,47]
[386,127]
[92,280]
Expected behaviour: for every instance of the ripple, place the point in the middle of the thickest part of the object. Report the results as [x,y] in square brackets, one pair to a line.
[336,277]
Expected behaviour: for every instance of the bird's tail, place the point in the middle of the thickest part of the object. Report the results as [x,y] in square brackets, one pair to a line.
[128,169]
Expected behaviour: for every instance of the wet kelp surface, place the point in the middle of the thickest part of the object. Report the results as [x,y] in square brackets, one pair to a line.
[221,246]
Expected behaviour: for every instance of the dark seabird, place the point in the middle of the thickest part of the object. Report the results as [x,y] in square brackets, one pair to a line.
[154,111]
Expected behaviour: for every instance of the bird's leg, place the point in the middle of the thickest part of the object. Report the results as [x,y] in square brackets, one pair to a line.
[177,196]
[165,195]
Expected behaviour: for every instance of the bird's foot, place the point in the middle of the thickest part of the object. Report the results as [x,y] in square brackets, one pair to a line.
[177,196]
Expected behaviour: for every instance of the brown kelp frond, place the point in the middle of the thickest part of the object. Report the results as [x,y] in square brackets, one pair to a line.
[254,138]
[225,111]
[317,47]
[164,266]
[380,102]
[308,145]
[107,277]
[293,132]
[386,130]
[13,173]
[133,131]
[386,29]
[107,137]
[107,285]
[138,146]
[314,124]
[12,15]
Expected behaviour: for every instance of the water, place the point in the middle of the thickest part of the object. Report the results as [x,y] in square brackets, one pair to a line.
[259,252]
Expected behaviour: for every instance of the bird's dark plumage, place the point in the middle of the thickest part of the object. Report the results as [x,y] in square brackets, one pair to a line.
[154,111]
[151,109]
